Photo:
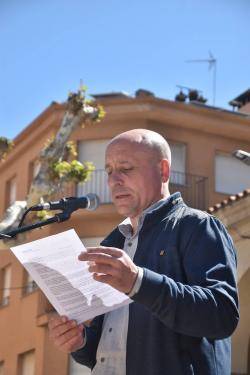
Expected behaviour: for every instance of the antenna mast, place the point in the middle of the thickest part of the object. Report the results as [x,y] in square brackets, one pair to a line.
[212,64]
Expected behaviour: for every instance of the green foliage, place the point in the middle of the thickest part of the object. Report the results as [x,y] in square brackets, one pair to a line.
[5,147]
[74,171]
[43,215]
[71,148]
[77,102]
[101,113]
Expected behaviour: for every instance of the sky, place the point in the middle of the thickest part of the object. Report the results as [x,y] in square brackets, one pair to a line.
[48,46]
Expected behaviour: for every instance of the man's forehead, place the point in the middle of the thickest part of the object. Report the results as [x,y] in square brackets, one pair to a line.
[126,145]
[120,155]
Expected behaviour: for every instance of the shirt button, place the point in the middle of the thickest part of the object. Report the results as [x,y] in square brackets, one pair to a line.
[130,244]
[110,329]
[102,359]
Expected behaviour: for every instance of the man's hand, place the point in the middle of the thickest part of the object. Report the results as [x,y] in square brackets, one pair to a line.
[111,266]
[66,334]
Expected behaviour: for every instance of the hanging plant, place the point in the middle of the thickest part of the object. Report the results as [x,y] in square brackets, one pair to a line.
[74,171]
[5,146]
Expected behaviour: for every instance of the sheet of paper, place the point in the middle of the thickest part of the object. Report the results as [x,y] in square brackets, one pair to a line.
[67,283]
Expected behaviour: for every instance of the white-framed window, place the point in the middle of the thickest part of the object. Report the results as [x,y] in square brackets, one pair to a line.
[29,283]
[34,168]
[26,363]
[11,190]
[77,369]
[231,175]
[178,165]
[94,151]
[1,368]
[6,284]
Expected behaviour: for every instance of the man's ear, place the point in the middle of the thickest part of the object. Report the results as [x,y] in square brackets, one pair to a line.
[165,170]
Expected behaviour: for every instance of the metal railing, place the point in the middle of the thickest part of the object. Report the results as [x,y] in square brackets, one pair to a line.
[193,188]
[97,184]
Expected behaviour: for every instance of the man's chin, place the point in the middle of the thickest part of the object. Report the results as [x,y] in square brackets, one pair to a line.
[122,210]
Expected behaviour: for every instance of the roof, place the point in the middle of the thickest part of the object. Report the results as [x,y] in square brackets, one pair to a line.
[114,95]
[241,99]
[229,201]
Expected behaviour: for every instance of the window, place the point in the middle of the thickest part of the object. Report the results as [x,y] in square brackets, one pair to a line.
[34,168]
[94,151]
[11,192]
[178,168]
[77,369]
[26,363]
[29,283]
[1,368]
[231,175]
[5,285]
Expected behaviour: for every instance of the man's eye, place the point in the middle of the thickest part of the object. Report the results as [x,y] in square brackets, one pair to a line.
[126,170]
[108,171]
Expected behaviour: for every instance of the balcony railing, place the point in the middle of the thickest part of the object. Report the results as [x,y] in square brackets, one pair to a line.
[193,188]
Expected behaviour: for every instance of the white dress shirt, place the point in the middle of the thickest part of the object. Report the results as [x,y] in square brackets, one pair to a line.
[111,351]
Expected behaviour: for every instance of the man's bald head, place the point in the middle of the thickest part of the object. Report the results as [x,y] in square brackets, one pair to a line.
[149,139]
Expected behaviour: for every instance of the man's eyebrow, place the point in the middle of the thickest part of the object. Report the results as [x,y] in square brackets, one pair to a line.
[119,162]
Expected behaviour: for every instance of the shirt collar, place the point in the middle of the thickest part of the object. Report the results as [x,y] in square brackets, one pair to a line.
[125,227]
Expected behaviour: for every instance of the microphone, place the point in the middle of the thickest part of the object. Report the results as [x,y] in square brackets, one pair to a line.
[89,201]
[2,236]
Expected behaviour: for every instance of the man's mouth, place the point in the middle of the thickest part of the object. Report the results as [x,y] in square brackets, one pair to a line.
[121,196]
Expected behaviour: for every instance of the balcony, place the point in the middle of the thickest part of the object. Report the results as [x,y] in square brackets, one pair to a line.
[193,188]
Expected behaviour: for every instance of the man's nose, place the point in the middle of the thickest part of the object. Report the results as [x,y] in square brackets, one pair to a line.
[115,178]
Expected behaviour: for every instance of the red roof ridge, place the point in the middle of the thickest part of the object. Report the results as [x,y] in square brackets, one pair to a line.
[228,201]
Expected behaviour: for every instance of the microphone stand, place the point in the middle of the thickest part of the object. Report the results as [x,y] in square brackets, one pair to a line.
[58,218]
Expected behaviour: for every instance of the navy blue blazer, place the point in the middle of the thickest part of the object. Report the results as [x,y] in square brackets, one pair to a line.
[187,307]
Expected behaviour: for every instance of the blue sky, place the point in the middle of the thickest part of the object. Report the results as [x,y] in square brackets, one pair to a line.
[47,46]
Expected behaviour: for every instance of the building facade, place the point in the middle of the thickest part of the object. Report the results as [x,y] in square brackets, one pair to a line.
[234,212]
[202,140]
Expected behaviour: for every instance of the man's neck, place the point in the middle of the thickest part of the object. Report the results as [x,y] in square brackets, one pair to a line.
[135,223]
[135,220]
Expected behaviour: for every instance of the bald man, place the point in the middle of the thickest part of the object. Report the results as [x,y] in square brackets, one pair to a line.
[177,264]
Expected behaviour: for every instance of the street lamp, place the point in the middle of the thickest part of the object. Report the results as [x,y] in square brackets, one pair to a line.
[242,156]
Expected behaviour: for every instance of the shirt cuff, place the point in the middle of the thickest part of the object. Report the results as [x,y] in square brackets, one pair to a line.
[137,283]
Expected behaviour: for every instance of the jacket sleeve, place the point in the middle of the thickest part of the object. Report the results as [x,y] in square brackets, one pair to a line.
[87,355]
[206,305]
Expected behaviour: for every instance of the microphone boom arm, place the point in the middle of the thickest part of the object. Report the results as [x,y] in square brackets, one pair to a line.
[58,218]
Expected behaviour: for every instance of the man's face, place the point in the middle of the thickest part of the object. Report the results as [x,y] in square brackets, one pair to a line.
[134,177]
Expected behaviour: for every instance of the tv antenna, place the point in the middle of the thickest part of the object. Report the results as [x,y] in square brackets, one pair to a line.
[212,64]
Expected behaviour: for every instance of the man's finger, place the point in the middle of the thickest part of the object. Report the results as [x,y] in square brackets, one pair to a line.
[107,279]
[56,321]
[113,251]
[63,329]
[65,337]
[104,269]
[99,258]
[73,344]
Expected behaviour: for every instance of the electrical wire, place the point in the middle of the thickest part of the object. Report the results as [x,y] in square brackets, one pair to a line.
[24,215]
